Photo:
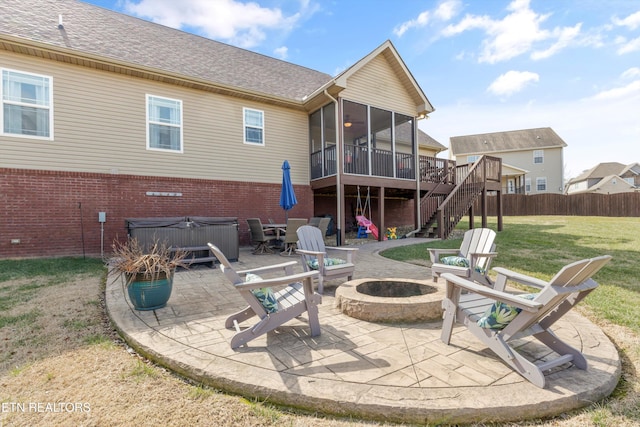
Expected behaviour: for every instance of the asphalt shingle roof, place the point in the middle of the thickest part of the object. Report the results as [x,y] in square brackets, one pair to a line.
[527,139]
[601,170]
[98,32]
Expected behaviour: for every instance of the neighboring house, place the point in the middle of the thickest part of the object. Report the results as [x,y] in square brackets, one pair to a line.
[532,159]
[607,178]
[103,112]
[428,146]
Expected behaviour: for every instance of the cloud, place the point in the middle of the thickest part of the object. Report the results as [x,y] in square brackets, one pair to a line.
[516,34]
[281,52]
[512,82]
[628,46]
[445,11]
[620,92]
[632,21]
[241,24]
[631,73]
[564,38]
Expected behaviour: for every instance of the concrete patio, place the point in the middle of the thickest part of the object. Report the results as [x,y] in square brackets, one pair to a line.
[388,372]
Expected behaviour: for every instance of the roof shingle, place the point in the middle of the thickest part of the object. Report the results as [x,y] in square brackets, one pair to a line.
[95,31]
[527,139]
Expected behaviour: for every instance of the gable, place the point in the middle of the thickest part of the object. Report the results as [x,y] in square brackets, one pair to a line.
[377,84]
[381,79]
[612,184]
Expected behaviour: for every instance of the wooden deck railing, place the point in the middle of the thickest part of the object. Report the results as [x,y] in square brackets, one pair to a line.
[379,162]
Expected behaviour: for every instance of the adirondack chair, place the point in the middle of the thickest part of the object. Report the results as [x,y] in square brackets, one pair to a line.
[315,256]
[273,308]
[496,317]
[472,260]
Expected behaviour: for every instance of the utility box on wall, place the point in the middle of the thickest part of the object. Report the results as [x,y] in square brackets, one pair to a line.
[189,233]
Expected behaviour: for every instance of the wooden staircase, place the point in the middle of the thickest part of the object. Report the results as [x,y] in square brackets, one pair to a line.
[440,212]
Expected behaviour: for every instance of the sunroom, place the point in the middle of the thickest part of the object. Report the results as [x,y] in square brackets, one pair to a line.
[377,142]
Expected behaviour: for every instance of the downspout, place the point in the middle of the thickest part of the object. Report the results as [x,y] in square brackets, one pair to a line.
[416,168]
[338,170]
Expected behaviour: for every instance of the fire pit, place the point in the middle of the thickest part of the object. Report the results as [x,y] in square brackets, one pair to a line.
[391,300]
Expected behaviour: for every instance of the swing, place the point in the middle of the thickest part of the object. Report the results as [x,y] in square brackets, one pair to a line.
[363,222]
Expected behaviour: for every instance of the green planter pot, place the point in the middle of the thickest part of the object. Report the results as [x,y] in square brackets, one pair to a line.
[148,294]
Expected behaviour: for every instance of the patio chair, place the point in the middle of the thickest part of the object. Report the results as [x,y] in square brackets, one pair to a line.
[324,225]
[315,221]
[315,256]
[258,237]
[272,307]
[290,237]
[496,317]
[472,260]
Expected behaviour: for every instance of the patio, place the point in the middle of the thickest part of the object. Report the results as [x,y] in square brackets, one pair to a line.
[391,372]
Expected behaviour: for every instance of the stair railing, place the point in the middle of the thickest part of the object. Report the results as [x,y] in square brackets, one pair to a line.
[470,186]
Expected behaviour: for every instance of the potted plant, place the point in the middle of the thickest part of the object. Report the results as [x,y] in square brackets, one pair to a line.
[148,274]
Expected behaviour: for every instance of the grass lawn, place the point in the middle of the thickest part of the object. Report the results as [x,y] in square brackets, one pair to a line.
[541,245]
[56,344]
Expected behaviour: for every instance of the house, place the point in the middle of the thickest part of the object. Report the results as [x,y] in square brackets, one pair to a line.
[607,178]
[107,117]
[532,159]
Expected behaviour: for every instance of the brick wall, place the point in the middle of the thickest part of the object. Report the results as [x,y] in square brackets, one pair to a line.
[56,213]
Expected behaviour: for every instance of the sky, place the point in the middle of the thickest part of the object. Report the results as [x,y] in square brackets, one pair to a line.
[485,65]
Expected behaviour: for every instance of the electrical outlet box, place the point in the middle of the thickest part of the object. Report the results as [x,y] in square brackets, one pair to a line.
[15,241]
[102,217]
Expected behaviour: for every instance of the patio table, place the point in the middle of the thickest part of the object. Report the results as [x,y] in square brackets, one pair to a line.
[279,229]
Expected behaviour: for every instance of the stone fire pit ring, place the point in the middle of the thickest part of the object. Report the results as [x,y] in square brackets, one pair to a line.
[364,299]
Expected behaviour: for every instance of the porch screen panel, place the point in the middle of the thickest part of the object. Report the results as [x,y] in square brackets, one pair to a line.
[404,145]
[329,138]
[315,144]
[381,142]
[356,142]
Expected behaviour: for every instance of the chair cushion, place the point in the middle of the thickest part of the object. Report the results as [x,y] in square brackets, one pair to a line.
[499,315]
[266,296]
[313,264]
[460,261]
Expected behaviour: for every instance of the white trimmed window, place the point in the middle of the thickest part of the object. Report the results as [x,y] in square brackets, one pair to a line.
[472,159]
[164,124]
[253,126]
[27,104]
[541,184]
[538,156]
[527,185]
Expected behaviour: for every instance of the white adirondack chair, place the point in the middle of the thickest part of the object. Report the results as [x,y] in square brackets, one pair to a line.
[295,298]
[477,249]
[491,315]
[316,256]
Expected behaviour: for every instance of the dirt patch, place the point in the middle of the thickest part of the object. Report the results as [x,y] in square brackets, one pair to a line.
[62,364]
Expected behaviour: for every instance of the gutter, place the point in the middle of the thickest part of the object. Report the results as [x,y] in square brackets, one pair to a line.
[338,169]
[117,66]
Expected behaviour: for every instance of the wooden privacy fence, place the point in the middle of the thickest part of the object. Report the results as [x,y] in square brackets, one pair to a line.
[586,204]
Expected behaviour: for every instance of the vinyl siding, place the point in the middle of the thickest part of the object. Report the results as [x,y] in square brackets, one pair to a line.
[376,84]
[551,168]
[100,126]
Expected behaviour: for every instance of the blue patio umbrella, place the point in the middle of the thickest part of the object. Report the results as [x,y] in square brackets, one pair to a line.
[287,195]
